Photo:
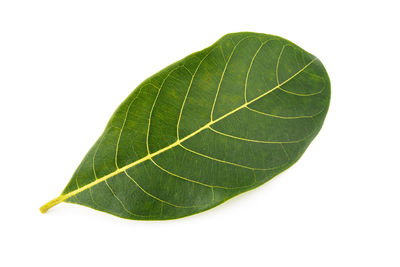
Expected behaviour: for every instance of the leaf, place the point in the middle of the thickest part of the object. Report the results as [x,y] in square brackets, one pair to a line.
[215,124]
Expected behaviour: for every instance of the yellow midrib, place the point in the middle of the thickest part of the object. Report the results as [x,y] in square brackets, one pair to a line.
[61,198]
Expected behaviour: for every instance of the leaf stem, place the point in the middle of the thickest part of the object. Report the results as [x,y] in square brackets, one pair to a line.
[52,203]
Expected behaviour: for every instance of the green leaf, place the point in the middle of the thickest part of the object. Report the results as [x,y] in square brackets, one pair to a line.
[215,124]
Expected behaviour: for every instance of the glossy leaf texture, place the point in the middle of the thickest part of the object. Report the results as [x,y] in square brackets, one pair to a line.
[215,124]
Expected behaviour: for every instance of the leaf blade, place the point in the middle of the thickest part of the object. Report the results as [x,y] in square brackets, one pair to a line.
[236,82]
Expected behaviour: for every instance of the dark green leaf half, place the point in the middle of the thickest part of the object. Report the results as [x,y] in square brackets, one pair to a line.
[215,124]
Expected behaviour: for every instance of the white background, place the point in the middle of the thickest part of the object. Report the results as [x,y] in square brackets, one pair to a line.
[66,65]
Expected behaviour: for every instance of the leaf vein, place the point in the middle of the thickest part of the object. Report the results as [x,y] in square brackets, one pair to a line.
[251,65]
[257,141]
[187,92]
[222,77]
[154,197]
[227,162]
[286,117]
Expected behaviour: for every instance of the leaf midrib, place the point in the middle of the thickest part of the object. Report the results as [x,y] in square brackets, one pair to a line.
[63,197]
[181,140]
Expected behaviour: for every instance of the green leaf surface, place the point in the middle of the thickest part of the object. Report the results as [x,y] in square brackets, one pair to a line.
[215,124]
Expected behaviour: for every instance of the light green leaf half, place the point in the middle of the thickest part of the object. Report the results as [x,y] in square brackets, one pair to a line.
[215,124]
